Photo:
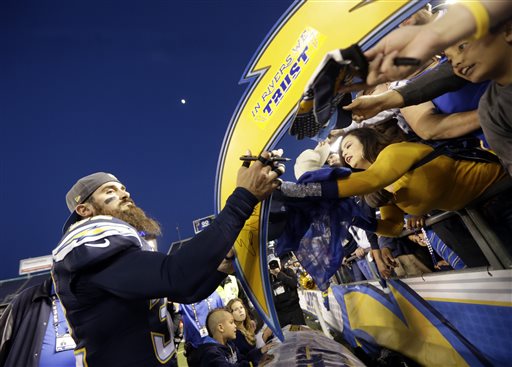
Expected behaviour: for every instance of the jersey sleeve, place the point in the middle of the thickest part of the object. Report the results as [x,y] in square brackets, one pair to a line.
[187,275]
[93,241]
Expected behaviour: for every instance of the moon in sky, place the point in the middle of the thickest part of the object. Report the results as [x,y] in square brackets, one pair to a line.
[183,101]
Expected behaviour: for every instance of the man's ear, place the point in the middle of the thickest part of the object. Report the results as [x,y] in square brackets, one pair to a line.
[84,210]
[220,328]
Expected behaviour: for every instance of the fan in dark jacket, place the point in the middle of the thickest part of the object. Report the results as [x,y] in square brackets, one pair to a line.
[27,330]
[286,299]
[219,350]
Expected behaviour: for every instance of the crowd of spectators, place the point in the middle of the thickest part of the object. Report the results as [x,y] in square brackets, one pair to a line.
[435,141]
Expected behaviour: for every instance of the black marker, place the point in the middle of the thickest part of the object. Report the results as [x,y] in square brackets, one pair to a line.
[249,158]
[406,61]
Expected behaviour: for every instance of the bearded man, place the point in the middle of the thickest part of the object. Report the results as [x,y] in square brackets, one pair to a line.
[113,287]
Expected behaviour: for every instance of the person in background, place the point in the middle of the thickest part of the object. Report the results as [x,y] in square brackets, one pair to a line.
[286,298]
[34,331]
[177,322]
[296,267]
[484,56]
[463,20]
[228,289]
[382,164]
[360,243]
[195,330]
[114,288]
[333,160]
[490,58]
[311,159]
[404,257]
[245,332]
[388,168]
[449,259]
[219,349]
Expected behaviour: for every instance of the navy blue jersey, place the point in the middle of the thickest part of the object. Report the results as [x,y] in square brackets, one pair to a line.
[113,290]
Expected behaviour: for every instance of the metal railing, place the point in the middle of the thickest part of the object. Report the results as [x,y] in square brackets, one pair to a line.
[485,237]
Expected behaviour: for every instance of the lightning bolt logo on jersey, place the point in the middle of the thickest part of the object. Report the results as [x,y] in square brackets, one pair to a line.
[112,324]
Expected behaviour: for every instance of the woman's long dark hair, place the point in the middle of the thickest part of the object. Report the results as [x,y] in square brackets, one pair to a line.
[373,141]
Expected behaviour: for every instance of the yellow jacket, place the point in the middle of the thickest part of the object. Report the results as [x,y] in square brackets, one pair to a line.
[443,183]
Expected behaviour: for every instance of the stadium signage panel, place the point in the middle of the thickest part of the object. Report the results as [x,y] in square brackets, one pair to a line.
[276,77]
[35,264]
[201,223]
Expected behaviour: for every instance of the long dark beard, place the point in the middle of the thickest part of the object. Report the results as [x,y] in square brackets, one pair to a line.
[135,217]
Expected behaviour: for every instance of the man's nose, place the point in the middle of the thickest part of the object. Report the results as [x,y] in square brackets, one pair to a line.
[125,194]
[455,61]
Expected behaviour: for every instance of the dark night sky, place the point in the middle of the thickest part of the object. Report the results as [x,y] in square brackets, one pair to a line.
[96,86]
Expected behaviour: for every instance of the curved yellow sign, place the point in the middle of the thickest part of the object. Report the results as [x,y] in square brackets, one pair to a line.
[277,76]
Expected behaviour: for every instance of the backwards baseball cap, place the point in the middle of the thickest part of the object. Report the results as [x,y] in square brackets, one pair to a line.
[81,191]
